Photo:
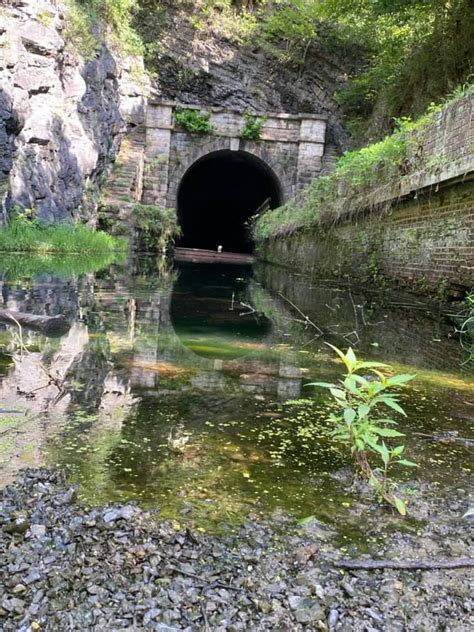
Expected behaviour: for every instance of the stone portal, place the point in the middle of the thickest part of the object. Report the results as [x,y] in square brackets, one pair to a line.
[217,181]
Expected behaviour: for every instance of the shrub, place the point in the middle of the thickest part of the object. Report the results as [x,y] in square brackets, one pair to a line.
[193,121]
[157,227]
[252,128]
[356,174]
[86,18]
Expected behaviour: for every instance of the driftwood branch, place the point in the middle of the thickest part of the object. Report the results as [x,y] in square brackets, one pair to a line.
[306,320]
[371,565]
[47,325]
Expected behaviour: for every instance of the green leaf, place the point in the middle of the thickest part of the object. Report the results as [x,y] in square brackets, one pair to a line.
[400,505]
[407,463]
[322,384]
[400,379]
[386,432]
[349,415]
[385,454]
[351,358]
[360,380]
[338,393]
[340,354]
[380,375]
[351,385]
[370,365]
[398,450]
[306,520]
[360,445]
[363,410]
[373,444]
[391,403]
[469,512]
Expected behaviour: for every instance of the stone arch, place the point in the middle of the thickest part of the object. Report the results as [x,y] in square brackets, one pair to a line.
[290,148]
[219,192]
[183,156]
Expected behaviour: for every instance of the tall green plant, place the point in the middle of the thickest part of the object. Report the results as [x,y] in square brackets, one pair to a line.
[157,227]
[363,425]
[26,233]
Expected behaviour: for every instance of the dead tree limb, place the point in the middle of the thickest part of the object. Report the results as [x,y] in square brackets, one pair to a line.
[47,325]
[371,565]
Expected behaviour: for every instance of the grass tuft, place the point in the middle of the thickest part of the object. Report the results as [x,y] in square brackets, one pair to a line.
[356,175]
[23,235]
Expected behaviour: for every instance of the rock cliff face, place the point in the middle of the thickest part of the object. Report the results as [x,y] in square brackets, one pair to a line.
[204,67]
[62,118]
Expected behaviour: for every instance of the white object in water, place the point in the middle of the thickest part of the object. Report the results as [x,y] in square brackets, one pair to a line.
[219,248]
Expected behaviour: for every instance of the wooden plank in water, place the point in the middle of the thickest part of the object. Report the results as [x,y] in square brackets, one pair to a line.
[196,255]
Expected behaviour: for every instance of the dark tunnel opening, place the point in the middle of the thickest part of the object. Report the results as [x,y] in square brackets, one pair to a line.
[218,194]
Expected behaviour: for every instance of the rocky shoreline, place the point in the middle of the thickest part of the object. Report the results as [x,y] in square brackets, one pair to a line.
[67,567]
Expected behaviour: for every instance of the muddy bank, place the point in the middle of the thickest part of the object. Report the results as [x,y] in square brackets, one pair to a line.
[67,567]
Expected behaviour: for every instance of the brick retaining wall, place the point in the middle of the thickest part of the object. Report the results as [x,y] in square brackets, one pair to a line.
[426,242]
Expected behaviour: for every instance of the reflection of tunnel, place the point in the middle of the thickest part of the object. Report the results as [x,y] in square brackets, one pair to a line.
[207,314]
[218,194]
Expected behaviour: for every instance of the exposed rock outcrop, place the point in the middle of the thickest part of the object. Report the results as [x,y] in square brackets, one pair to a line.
[203,66]
[62,118]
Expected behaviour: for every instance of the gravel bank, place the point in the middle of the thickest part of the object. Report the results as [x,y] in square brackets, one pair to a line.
[67,567]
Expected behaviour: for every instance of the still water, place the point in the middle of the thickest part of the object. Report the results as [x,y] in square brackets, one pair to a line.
[186,388]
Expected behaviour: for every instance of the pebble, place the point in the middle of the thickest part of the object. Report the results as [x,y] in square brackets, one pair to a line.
[376,617]
[348,588]
[119,567]
[333,618]
[38,530]
[18,589]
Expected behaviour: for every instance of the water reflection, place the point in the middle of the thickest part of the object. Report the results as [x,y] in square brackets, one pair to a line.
[210,356]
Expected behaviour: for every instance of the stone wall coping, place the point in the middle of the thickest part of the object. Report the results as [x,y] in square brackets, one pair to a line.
[217,109]
[393,193]
[221,134]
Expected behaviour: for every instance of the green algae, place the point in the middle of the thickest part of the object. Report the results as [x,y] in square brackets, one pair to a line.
[175,357]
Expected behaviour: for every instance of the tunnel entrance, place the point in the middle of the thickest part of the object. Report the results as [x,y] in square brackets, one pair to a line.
[218,194]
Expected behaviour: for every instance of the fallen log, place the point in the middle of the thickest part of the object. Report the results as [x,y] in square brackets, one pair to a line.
[370,565]
[47,325]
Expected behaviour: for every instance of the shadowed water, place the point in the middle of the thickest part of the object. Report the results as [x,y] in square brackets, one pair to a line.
[185,388]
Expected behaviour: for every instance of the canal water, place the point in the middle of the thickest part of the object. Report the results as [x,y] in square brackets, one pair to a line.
[186,389]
